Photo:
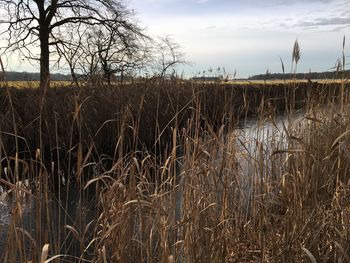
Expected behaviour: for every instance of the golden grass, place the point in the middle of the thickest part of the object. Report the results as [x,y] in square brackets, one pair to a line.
[281,81]
[34,84]
[165,176]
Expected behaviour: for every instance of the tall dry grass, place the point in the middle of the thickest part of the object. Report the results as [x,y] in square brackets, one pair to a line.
[159,172]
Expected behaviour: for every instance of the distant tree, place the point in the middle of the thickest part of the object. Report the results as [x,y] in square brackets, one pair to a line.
[47,23]
[166,55]
[115,54]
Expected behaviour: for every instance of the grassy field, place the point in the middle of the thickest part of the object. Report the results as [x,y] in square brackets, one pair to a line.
[32,84]
[57,84]
[281,81]
[157,172]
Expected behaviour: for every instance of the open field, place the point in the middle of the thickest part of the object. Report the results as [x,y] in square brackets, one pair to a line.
[57,84]
[281,81]
[160,172]
[32,84]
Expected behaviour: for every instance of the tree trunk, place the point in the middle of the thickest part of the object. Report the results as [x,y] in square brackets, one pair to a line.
[122,75]
[74,76]
[44,59]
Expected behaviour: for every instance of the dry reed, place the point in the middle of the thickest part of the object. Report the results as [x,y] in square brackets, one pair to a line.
[158,172]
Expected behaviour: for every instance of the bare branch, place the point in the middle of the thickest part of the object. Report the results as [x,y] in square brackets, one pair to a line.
[42,23]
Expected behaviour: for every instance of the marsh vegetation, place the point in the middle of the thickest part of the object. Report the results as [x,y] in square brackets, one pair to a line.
[159,168]
[160,172]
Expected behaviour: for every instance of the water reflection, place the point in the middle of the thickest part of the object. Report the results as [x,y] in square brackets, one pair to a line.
[256,141]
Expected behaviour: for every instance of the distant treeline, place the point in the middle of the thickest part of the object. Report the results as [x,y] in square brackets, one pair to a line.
[203,78]
[310,75]
[33,76]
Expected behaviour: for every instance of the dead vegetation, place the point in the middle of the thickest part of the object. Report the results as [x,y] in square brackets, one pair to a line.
[157,172]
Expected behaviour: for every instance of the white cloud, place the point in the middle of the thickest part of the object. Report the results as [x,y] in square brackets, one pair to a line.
[249,35]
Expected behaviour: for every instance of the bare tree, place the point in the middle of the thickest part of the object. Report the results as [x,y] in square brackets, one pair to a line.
[79,53]
[118,55]
[71,52]
[98,55]
[42,23]
[166,55]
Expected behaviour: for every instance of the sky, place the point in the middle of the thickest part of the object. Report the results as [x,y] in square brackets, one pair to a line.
[244,36]
[250,36]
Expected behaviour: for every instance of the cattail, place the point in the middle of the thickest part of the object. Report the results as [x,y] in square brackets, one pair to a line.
[282,64]
[338,66]
[296,52]
[37,154]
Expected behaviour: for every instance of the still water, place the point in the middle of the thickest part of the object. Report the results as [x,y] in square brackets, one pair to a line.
[255,139]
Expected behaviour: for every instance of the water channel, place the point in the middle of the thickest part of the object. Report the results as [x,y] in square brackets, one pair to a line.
[254,137]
